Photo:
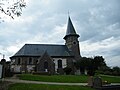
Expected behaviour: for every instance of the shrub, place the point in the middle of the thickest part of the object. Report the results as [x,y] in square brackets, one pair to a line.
[108,73]
[67,70]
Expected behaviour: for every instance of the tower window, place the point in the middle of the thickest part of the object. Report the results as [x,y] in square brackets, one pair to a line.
[59,63]
[74,42]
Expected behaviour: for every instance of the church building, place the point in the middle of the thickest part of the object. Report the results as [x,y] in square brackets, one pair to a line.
[50,58]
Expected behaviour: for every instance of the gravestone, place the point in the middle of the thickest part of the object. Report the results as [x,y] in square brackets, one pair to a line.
[90,81]
[97,82]
[0,71]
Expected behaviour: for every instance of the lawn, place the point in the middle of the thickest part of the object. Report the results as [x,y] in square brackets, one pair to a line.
[55,78]
[111,79]
[20,86]
[66,78]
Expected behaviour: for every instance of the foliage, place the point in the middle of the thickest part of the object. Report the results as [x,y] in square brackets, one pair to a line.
[67,70]
[98,65]
[109,71]
[46,87]
[91,64]
[117,69]
[98,62]
[12,10]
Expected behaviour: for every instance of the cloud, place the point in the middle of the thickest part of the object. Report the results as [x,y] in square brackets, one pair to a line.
[107,48]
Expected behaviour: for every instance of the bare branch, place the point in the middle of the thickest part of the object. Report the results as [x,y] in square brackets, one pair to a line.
[13,10]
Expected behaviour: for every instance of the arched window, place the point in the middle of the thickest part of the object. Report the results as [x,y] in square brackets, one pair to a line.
[45,65]
[59,63]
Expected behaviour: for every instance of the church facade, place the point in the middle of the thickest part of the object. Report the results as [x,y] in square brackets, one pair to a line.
[50,58]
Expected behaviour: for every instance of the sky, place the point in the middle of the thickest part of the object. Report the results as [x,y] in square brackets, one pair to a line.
[45,22]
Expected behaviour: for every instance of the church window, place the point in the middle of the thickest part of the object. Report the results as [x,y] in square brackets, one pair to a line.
[45,65]
[30,61]
[19,61]
[59,63]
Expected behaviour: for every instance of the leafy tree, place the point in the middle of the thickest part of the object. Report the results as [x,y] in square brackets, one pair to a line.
[116,70]
[67,70]
[98,62]
[91,64]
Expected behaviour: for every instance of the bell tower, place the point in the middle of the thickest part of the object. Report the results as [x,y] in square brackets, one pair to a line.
[71,40]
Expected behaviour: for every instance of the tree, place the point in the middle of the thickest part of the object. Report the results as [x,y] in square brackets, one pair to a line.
[11,9]
[98,62]
[67,70]
[90,64]
[84,63]
[116,70]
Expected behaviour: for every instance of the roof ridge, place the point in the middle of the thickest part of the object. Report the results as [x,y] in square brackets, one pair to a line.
[48,44]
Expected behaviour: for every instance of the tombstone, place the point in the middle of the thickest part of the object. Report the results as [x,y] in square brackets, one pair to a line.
[90,81]
[97,82]
[0,71]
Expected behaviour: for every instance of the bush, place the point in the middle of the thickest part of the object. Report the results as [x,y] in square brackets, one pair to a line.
[67,70]
[97,72]
[91,72]
[108,73]
[115,73]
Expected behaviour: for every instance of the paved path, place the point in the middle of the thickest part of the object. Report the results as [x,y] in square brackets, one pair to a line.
[38,82]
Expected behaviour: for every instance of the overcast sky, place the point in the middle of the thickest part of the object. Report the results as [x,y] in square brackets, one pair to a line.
[45,22]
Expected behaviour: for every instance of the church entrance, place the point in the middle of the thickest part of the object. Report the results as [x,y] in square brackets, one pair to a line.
[46,66]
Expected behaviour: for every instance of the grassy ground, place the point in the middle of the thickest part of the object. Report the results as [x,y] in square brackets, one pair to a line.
[55,78]
[111,79]
[66,78]
[58,78]
[20,86]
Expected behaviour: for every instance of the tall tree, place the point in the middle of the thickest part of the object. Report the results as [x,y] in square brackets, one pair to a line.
[98,62]
[91,64]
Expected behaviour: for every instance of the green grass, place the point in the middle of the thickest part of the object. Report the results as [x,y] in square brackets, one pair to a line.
[55,78]
[67,78]
[20,86]
[111,79]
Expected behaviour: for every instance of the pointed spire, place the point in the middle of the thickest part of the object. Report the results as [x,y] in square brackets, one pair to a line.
[70,29]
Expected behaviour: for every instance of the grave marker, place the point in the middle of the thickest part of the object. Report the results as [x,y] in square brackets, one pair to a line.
[97,82]
[0,71]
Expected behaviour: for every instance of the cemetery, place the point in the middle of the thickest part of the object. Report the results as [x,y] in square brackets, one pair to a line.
[91,81]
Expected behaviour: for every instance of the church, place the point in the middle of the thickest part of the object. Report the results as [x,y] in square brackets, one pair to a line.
[50,58]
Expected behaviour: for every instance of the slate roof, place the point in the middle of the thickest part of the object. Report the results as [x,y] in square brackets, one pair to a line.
[70,29]
[39,49]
